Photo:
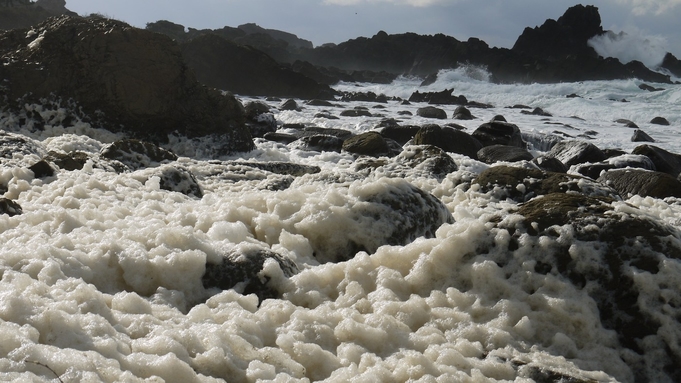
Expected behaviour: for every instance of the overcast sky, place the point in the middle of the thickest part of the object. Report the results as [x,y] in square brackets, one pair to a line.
[498,22]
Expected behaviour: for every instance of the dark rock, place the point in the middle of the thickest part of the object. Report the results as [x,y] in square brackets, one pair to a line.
[462,113]
[405,113]
[284,138]
[42,169]
[134,80]
[496,153]
[401,134]
[439,98]
[251,72]
[641,182]
[664,161]
[523,184]
[259,120]
[356,113]
[317,102]
[70,161]
[499,133]
[326,115]
[243,270]
[16,144]
[672,64]
[179,180]
[303,131]
[550,164]
[498,118]
[641,136]
[319,143]
[431,159]
[368,144]
[431,112]
[283,168]
[566,36]
[576,152]
[289,104]
[649,88]
[628,244]
[9,207]
[659,121]
[26,14]
[137,154]
[388,212]
[573,95]
[627,123]
[449,140]
[364,96]
[536,112]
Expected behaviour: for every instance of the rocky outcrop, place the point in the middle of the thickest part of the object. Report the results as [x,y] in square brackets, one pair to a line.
[130,79]
[240,69]
[25,14]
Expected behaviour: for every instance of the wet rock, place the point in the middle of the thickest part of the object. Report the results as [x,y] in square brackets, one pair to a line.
[649,88]
[9,207]
[137,154]
[283,138]
[14,146]
[462,113]
[388,211]
[401,134]
[606,252]
[664,161]
[497,153]
[68,161]
[641,182]
[42,169]
[431,112]
[244,271]
[127,78]
[179,180]
[289,104]
[259,120]
[536,112]
[438,98]
[523,184]
[627,123]
[499,133]
[428,158]
[499,118]
[641,136]
[284,168]
[319,143]
[576,152]
[356,113]
[659,121]
[318,102]
[364,96]
[368,144]
[550,164]
[449,140]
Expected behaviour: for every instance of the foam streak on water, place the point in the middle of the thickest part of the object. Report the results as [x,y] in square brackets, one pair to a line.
[101,274]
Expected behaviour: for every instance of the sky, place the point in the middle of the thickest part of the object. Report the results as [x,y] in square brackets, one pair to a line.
[653,26]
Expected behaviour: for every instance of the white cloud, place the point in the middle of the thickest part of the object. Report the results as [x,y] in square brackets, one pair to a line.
[414,3]
[643,7]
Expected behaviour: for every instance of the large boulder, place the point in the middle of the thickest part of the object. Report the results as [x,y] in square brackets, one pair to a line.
[664,161]
[499,133]
[620,258]
[448,139]
[642,182]
[242,69]
[576,152]
[136,79]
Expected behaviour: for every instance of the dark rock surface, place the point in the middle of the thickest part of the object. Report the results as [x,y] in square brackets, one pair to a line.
[368,144]
[641,182]
[449,140]
[137,154]
[242,270]
[9,207]
[576,152]
[499,133]
[432,112]
[497,153]
[664,161]
[136,78]
[251,72]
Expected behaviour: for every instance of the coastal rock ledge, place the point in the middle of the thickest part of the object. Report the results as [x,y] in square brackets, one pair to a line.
[133,80]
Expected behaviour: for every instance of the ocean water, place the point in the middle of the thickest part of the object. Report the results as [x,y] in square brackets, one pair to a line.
[101,274]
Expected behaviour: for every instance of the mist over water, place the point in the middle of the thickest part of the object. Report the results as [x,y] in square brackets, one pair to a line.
[631,45]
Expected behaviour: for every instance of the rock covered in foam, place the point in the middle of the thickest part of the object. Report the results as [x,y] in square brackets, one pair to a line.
[137,154]
[246,270]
